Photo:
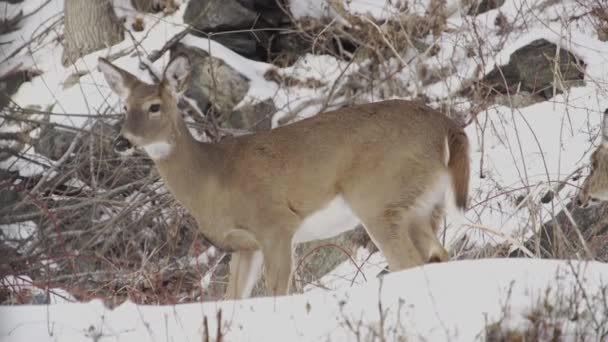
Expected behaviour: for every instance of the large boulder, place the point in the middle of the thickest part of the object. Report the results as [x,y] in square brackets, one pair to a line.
[209,18]
[483,6]
[215,84]
[53,142]
[559,237]
[534,68]
[254,117]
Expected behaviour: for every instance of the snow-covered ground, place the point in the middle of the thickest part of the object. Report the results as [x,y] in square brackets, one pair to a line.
[521,152]
[440,302]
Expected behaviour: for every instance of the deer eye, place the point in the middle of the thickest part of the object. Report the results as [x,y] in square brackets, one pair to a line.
[154,108]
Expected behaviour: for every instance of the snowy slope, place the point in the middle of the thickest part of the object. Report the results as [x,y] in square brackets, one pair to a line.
[439,302]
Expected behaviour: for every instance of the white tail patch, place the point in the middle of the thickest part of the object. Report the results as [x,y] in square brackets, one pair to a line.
[159,150]
[435,195]
[455,214]
[337,217]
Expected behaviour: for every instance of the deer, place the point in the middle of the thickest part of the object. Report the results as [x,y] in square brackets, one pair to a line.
[595,185]
[391,166]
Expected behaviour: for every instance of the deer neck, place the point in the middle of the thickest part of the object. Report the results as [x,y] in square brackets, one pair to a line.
[187,168]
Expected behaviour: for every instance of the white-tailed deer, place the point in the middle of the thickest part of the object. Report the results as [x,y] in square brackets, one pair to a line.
[595,186]
[387,165]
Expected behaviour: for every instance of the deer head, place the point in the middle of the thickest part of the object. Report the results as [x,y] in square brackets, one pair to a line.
[595,186]
[152,117]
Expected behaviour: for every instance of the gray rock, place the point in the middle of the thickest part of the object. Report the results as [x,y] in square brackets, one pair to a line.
[317,258]
[248,44]
[519,100]
[483,6]
[214,83]
[558,237]
[532,68]
[287,47]
[256,117]
[8,197]
[216,15]
[10,83]
[52,142]
[269,11]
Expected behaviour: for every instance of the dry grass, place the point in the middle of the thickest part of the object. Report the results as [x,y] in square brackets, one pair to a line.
[562,315]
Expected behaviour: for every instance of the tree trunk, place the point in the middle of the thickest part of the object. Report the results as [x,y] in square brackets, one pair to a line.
[90,25]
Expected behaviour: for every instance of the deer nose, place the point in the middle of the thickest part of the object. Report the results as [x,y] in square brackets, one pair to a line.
[585,201]
[121,144]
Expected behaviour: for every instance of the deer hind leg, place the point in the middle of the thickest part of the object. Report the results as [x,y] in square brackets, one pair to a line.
[424,234]
[245,270]
[390,233]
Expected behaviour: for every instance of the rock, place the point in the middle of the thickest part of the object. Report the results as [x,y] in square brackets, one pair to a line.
[256,117]
[484,6]
[317,258]
[558,237]
[269,11]
[155,6]
[217,16]
[8,197]
[246,44]
[11,81]
[532,69]
[214,83]
[13,200]
[286,48]
[8,25]
[52,142]
[518,100]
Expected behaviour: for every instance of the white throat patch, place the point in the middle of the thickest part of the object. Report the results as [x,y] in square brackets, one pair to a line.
[159,150]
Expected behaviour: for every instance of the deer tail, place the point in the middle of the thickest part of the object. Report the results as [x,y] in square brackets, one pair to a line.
[459,166]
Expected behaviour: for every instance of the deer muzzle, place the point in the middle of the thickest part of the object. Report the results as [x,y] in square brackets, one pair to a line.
[584,199]
[121,144]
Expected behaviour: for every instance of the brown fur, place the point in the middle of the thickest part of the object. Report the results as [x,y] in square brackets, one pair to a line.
[459,167]
[595,186]
[252,192]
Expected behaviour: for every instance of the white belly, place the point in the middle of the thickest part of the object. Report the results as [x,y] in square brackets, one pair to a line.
[337,217]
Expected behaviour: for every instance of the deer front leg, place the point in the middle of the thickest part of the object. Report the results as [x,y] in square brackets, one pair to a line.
[245,270]
[278,266]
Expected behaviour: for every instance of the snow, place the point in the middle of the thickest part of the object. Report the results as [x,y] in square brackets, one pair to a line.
[23,284]
[378,9]
[18,231]
[438,302]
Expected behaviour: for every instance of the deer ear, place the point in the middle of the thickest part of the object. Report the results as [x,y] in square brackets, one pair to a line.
[177,74]
[117,78]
